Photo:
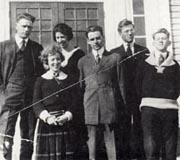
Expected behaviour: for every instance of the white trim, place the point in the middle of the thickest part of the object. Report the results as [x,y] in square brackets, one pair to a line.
[157,15]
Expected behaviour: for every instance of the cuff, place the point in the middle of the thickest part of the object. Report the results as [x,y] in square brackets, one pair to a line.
[68,115]
[43,115]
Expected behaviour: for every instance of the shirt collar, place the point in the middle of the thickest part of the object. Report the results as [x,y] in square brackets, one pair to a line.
[19,40]
[158,54]
[100,52]
[67,56]
[125,44]
[169,60]
[49,75]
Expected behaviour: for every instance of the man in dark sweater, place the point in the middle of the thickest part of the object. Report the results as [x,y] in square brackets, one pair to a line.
[158,83]
[19,67]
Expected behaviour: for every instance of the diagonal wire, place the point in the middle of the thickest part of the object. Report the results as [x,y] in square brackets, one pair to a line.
[70,86]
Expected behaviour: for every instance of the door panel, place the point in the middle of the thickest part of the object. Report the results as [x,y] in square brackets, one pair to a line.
[46,17]
[81,15]
[77,15]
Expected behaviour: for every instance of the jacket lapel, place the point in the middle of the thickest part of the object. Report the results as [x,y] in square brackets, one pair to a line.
[30,45]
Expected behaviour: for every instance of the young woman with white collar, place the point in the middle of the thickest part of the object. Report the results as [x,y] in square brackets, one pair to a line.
[54,106]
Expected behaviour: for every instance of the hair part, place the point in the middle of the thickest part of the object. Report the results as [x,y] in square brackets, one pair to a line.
[94,28]
[124,22]
[64,29]
[50,51]
[26,16]
[161,30]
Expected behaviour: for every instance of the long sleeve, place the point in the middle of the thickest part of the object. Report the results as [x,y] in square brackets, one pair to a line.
[139,78]
[81,77]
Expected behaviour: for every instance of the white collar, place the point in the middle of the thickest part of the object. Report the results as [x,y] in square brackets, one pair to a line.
[67,56]
[100,52]
[49,75]
[19,40]
[169,61]
[158,54]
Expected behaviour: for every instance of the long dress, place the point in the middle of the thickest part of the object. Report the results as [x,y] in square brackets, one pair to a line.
[54,142]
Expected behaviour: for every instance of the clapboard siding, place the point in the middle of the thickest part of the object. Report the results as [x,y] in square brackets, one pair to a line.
[175,25]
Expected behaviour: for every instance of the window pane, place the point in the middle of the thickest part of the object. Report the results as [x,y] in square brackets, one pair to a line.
[81,13]
[138,6]
[141,41]
[69,14]
[46,38]
[139,26]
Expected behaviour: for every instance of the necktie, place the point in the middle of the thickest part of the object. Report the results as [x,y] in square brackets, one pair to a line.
[98,59]
[129,51]
[23,45]
[160,59]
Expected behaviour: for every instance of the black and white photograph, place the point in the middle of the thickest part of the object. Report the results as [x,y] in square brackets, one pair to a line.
[89,79]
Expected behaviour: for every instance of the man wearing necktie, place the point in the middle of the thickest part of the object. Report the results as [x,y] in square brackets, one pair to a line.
[158,84]
[98,77]
[129,137]
[20,66]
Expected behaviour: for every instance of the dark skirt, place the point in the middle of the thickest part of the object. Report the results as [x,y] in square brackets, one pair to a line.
[53,142]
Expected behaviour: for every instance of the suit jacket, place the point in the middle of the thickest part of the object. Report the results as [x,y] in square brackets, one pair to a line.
[7,63]
[123,77]
[8,59]
[99,82]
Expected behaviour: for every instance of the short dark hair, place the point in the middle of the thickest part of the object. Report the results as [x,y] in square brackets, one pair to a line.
[93,29]
[50,51]
[64,29]
[161,30]
[25,16]
[124,22]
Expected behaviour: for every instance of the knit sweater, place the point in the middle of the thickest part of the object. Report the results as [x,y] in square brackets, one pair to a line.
[159,86]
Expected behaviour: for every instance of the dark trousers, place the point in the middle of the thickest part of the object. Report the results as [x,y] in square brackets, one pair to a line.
[27,125]
[16,98]
[129,137]
[160,130]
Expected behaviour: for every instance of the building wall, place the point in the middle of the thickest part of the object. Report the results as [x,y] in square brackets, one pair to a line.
[156,12]
[175,26]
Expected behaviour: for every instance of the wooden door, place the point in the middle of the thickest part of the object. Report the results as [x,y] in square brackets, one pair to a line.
[78,15]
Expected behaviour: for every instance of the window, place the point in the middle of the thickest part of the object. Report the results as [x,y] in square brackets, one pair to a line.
[139,21]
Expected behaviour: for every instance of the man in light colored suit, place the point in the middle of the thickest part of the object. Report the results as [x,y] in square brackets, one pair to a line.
[98,76]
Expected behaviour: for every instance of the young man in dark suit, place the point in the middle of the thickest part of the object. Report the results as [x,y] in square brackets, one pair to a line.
[98,77]
[130,136]
[19,67]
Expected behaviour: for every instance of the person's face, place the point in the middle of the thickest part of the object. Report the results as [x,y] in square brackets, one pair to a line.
[161,42]
[95,40]
[62,40]
[54,62]
[127,33]
[24,28]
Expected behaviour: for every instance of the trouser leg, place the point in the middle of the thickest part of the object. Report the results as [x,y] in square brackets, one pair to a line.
[151,125]
[10,131]
[27,127]
[92,142]
[137,140]
[110,143]
[170,133]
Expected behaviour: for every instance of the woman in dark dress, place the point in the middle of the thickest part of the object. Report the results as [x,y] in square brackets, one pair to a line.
[55,105]
[63,35]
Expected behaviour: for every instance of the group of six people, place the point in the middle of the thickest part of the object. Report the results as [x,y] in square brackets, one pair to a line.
[65,96]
